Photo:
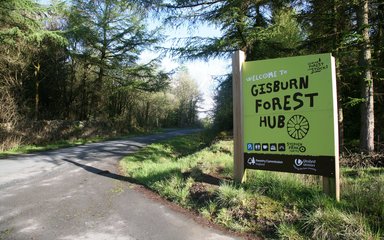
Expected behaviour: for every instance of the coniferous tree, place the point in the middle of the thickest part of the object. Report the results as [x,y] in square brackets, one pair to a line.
[109,36]
[365,61]
[22,35]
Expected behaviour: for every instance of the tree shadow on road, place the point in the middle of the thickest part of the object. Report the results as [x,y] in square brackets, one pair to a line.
[104,173]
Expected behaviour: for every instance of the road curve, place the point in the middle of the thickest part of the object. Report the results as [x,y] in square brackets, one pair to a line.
[77,193]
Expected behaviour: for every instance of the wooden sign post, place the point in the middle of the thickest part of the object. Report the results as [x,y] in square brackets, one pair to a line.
[238,153]
[331,185]
[285,117]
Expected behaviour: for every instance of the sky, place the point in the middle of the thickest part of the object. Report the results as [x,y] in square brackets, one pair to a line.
[202,72]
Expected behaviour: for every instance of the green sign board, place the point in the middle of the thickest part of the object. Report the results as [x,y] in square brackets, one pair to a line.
[290,121]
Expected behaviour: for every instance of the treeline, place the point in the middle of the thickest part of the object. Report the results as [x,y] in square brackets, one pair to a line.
[79,60]
[353,31]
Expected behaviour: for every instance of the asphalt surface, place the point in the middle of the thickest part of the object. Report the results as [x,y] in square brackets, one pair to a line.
[77,193]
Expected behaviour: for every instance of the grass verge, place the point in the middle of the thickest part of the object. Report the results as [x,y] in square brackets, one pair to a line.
[22,149]
[197,176]
[45,147]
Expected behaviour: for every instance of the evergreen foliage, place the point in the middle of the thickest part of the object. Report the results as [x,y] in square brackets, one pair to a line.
[351,30]
[78,60]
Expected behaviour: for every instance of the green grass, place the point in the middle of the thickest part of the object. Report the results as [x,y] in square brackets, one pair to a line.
[23,149]
[175,189]
[332,223]
[52,146]
[288,231]
[363,191]
[228,195]
[159,161]
[4,234]
[196,175]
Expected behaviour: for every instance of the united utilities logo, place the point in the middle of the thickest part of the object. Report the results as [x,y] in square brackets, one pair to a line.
[305,164]
[298,162]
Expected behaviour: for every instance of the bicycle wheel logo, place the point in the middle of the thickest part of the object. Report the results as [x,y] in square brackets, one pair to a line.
[297,127]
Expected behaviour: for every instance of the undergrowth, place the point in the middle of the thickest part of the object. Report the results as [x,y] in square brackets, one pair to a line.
[198,176]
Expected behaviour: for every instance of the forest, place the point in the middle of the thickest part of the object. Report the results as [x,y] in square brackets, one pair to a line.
[76,62]
[71,69]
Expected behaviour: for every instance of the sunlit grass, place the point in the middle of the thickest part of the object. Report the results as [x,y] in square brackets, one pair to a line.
[51,146]
[23,149]
[270,204]
[332,223]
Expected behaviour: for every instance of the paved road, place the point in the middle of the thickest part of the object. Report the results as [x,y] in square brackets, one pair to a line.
[76,193]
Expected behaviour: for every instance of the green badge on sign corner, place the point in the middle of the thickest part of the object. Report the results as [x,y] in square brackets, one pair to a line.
[289,114]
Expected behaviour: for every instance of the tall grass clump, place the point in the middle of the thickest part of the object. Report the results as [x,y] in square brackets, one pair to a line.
[209,211]
[226,218]
[299,190]
[364,193]
[329,224]
[174,189]
[228,195]
[287,231]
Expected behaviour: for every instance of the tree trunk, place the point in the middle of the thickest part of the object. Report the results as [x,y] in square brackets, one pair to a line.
[146,118]
[130,117]
[84,97]
[336,44]
[367,107]
[37,89]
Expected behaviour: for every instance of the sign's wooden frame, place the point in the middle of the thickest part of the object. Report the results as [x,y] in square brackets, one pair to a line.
[331,185]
